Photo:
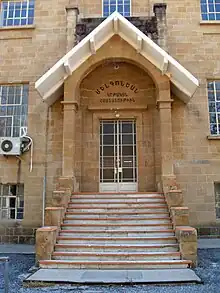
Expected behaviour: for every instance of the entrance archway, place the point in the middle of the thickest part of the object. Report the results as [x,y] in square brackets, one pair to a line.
[117,114]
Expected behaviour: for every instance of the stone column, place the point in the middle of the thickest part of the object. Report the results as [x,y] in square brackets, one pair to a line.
[160,13]
[166,142]
[71,18]
[69,125]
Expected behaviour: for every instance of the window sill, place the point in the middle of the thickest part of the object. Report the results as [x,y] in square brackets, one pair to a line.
[210,22]
[213,137]
[12,221]
[18,27]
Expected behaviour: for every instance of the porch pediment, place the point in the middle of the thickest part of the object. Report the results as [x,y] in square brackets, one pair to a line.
[183,83]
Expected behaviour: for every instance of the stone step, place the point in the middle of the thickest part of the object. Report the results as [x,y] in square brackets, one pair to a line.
[160,200]
[117,211]
[83,215]
[91,239]
[139,220]
[110,247]
[116,256]
[118,193]
[114,276]
[140,265]
[117,206]
[117,226]
[117,233]
[118,196]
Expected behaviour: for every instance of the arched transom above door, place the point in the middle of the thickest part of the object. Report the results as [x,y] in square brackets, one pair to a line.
[117,84]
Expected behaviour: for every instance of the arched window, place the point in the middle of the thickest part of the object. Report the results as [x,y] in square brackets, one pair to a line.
[122,6]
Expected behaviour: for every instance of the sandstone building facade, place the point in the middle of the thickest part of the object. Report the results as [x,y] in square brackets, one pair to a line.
[117,113]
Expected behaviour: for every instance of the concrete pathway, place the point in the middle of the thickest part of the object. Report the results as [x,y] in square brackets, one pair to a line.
[17,248]
[114,276]
[209,243]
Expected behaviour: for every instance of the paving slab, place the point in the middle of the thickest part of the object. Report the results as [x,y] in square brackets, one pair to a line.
[114,276]
[207,243]
[17,248]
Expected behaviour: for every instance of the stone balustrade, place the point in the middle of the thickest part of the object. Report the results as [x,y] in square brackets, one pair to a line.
[45,241]
[187,238]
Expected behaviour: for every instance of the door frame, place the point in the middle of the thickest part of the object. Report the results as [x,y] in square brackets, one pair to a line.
[119,186]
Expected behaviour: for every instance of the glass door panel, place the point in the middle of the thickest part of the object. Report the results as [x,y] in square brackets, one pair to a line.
[118,155]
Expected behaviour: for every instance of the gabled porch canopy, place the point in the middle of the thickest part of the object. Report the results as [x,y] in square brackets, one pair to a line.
[183,83]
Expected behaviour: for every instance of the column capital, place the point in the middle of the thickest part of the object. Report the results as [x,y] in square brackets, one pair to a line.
[70,105]
[164,104]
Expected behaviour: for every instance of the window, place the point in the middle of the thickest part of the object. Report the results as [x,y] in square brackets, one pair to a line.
[122,6]
[11,201]
[15,13]
[214,106]
[13,109]
[217,199]
[210,9]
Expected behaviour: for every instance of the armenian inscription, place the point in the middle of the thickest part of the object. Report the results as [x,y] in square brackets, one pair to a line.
[117,91]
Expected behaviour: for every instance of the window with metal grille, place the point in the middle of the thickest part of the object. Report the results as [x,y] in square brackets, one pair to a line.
[11,201]
[217,199]
[13,109]
[214,106]
[210,9]
[122,6]
[17,13]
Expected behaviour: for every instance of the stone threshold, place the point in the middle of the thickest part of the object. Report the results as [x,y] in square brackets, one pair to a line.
[112,276]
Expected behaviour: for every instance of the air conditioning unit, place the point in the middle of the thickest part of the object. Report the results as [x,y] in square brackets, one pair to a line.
[10,146]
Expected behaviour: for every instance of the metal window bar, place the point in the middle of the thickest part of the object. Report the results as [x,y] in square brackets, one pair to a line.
[5,260]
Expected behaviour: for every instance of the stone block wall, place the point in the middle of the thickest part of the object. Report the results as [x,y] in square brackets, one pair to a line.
[28,52]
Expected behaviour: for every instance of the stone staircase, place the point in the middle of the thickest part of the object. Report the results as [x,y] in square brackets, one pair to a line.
[116,231]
